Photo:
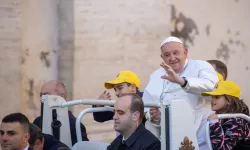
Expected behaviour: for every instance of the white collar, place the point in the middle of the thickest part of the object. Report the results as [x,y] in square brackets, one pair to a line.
[184,67]
[186,61]
[26,148]
[123,138]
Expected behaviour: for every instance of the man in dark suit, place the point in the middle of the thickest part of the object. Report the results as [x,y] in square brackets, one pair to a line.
[40,141]
[125,82]
[129,112]
[57,88]
[14,132]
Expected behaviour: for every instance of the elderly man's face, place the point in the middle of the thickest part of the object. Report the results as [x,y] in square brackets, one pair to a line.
[53,88]
[174,54]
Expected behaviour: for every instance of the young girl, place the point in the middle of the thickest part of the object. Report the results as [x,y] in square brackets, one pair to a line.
[226,133]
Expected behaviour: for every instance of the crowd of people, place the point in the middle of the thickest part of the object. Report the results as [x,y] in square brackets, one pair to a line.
[202,84]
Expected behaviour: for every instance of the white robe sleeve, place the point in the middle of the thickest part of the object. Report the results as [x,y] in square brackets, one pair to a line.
[206,81]
[146,98]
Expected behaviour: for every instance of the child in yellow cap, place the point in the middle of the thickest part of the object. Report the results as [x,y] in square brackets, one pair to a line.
[125,82]
[226,133]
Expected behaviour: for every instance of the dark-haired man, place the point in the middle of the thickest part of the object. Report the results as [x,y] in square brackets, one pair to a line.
[14,132]
[128,116]
[40,141]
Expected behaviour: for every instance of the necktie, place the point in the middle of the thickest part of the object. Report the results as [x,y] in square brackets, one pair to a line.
[122,146]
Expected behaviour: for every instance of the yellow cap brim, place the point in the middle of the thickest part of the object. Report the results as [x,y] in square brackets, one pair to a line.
[212,93]
[110,84]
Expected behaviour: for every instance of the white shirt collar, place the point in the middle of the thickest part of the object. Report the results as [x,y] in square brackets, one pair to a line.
[26,148]
[185,65]
[186,61]
[123,138]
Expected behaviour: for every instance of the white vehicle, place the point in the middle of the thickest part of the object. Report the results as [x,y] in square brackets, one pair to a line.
[178,127]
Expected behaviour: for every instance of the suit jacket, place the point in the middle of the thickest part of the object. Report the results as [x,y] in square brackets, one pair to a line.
[72,123]
[141,139]
[51,143]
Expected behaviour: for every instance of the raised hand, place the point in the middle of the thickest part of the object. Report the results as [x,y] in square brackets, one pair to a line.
[171,75]
[105,96]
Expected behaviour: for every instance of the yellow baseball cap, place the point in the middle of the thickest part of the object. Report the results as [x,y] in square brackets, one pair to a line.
[224,88]
[220,76]
[123,76]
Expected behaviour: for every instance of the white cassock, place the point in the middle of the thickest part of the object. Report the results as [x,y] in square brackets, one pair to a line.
[201,77]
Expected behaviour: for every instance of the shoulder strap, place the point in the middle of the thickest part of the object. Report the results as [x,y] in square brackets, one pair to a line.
[56,124]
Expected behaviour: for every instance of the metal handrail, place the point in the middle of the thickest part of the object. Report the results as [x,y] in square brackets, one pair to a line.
[58,102]
[101,102]
[223,116]
[91,110]
[82,113]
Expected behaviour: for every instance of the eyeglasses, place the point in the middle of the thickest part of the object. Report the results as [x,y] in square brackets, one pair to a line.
[45,93]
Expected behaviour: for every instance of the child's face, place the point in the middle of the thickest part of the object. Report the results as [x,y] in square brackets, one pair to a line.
[218,103]
[124,88]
